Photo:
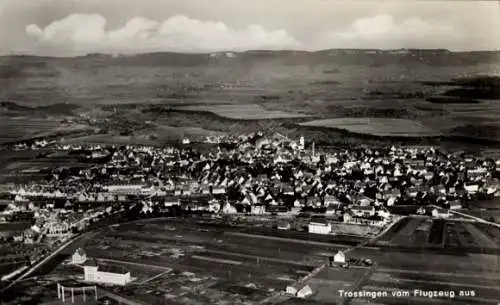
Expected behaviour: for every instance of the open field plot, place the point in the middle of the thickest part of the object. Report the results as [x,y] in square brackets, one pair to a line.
[492,232]
[170,133]
[265,264]
[463,235]
[14,129]
[440,235]
[400,270]
[436,236]
[244,111]
[326,284]
[376,126]
[426,260]
[402,232]
[485,290]
[108,139]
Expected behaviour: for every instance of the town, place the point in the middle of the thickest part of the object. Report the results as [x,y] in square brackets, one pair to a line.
[290,183]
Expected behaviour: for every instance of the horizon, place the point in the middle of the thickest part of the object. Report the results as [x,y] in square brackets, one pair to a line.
[249,51]
[59,28]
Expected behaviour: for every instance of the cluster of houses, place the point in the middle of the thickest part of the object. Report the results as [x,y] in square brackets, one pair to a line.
[264,174]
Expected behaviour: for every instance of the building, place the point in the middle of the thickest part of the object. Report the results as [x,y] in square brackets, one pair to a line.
[125,188]
[79,257]
[439,214]
[363,211]
[58,229]
[284,225]
[304,292]
[320,226]
[339,258]
[291,290]
[105,274]
[455,205]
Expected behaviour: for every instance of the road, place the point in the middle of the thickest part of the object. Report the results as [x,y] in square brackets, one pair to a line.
[43,261]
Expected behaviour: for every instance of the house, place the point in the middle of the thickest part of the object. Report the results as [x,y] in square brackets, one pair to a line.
[471,188]
[439,214]
[56,229]
[363,211]
[105,274]
[171,201]
[320,226]
[304,292]
[339,258]
[278,209]
[331,201]
[79,257]
[291,290]
[314,202]
[455,205]
[330,211]
[229,209]
[284,225]
[258,209]
[218,190]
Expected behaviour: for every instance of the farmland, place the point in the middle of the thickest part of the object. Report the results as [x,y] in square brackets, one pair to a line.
[167,257]
[244,112]
[16,128]
[233,95]
[376,126]
[23,166]
[185,260]
[441,236]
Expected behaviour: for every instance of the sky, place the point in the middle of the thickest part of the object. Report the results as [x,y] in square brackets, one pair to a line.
[78,27]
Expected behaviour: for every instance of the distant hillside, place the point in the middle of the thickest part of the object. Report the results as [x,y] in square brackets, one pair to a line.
[370,57]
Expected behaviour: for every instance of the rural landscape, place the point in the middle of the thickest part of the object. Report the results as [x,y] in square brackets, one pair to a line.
[249,152]
[337,96]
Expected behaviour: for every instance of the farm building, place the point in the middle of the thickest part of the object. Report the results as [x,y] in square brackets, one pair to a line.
[105,274]
[320,226]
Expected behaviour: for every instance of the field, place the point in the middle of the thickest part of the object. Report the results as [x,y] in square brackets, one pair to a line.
[244,112]
[184,261]
[233,95]
[18,128]
[23,166]
[399,269]
[168,257]
[441,236]
[376,126]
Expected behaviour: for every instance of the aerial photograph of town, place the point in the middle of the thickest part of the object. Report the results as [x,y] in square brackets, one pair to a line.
[239,152]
